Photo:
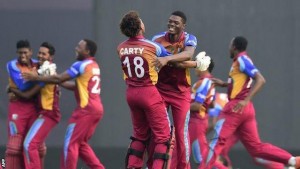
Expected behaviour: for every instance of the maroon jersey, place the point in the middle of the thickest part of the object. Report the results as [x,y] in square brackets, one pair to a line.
[137,56]
[171,78]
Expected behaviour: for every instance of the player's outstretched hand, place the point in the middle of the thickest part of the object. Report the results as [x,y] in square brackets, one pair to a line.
[30,76]
[47,69]
[202,61]
[219,82]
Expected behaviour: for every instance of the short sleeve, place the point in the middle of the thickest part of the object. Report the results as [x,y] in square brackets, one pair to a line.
[74,70]
[247,66]
[15,75]
[162,51]
[191,40]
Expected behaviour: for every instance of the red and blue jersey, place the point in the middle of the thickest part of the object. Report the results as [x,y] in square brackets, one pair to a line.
[137,56]
[171,78]
[240,76]
[203,92]
[87,74]
[15,70]
[15,79]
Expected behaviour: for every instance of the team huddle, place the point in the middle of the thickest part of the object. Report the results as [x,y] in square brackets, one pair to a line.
[158,80]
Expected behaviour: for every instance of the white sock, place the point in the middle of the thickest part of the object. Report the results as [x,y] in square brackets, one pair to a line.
[292,161]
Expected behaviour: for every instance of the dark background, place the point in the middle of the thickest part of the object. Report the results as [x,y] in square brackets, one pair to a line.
[271,26]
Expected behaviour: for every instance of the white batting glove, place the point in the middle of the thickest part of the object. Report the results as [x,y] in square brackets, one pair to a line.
[47,68]
[200,55]
[43,68]
[202,61]
[52,69]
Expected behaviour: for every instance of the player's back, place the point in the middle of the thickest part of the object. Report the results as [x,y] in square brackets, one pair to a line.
[137,56]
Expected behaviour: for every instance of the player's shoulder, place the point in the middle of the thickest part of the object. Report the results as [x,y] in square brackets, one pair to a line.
[189,36]
[159,35]
[12,65]
[121,45]
[244,58]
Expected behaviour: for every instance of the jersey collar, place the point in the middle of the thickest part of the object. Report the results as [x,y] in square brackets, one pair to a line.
[137,37]
[181,37]
[240,54]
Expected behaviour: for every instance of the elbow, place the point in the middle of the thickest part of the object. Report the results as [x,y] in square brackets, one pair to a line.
[263,80]
[190,55]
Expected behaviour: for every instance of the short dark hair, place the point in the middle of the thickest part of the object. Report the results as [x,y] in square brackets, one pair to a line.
[211,65]
[181,15]
[91,46]
[23,44]
[240,43]
[50,47]
[130,24]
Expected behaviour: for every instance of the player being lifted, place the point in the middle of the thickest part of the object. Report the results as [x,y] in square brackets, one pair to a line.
[238,115]
[48,110]
[89,110]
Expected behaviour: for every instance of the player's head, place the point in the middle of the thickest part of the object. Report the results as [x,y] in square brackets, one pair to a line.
[132,25]
[85,48]
[24,51]
[46,52]
[238,44]
[176,23]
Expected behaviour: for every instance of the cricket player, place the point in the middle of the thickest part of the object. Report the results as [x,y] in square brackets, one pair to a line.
[48,110]
[238,116]
[174,83]
[148,112]
[21,112]
[89,110]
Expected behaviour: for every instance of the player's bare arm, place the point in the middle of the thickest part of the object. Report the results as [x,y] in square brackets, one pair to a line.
[70,85]
[219,82]
[56,79]
[185,55]
[259,81]
[26,94]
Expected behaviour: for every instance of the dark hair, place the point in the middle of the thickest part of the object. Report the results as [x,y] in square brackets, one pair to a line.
[181,15]
[91,46]
[211,65]
[130,24]
[23,44]
[50,47]
[240,43]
